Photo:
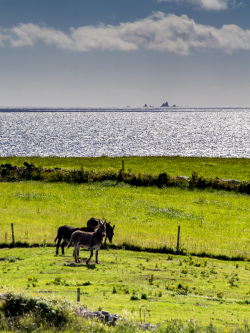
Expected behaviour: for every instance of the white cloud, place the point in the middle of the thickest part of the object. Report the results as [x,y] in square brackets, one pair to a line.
[102,37]
[212,4]
[208,4]
[160,32]
[29,34]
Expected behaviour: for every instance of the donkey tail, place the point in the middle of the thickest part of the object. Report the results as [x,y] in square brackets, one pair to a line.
[70,242]
[56,238]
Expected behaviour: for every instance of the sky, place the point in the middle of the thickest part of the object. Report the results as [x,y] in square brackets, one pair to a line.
[118,53]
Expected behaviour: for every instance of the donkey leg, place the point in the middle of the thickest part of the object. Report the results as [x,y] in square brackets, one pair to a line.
[96,256]
[76,251]
[63,245]
[91,254]
[58,245]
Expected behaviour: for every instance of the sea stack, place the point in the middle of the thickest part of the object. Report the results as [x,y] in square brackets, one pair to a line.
[165,105]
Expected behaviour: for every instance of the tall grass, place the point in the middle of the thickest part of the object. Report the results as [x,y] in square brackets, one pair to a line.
[212,223]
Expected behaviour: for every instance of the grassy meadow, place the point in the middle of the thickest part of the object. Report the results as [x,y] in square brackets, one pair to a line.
[153,285]
[212,223]
[143,287]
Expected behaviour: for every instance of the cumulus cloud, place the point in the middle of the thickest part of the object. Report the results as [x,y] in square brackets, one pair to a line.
[29,34]
[160,32]
[208,4]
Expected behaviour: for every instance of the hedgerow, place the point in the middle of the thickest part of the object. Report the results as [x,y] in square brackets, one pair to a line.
[29,171]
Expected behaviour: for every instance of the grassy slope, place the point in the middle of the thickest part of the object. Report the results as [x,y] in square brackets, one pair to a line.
[215,223]
[225,168]
[187,288]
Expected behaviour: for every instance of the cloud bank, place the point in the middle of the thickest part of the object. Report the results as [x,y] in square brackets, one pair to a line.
[208,4]
[167,33]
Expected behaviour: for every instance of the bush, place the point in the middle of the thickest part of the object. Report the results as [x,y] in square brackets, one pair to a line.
[162,180]
[15,307]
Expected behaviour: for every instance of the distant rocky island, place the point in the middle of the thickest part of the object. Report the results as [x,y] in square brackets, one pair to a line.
[164,105]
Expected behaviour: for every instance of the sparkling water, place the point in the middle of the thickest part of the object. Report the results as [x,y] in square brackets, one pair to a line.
[216,132]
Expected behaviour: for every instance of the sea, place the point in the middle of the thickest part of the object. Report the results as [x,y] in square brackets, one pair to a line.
[88,132]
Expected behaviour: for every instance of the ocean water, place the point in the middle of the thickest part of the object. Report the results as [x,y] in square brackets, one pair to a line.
[210,132]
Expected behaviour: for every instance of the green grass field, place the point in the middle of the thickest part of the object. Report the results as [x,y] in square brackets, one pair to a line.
[214,223]
[144,287]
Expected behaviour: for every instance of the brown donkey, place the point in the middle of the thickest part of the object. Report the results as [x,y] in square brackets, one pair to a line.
[64,233]
[109,229]
[91,240]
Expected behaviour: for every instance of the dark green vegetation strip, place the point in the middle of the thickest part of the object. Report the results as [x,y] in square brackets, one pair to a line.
[30,171]
[224,168]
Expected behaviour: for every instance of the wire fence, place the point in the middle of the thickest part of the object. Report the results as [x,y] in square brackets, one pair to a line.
[180,243]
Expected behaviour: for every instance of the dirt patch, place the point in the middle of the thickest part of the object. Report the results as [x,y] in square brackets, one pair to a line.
[12,259]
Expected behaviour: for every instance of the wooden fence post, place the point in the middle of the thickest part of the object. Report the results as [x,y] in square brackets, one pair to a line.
[13,239]
[122,165]
[178,239]
[78,294]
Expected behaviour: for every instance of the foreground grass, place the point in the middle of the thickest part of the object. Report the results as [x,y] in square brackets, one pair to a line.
[214,223]
[225,168]
[36,314]
[142,287]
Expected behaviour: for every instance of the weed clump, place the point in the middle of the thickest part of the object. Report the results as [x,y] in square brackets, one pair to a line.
[134,297]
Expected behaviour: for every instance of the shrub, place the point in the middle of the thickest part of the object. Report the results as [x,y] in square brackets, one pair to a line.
[134,297]
[162,180]
[42,311]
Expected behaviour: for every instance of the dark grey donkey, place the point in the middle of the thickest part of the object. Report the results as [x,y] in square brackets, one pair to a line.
[64,233]
[109,230]
[90,240]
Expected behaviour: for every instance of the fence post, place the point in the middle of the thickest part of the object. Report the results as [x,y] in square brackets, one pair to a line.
[13,239]
[178,239]
[78,294]
[122,165]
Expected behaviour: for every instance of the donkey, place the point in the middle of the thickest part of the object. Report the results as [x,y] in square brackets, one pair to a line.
[64,233]
[91,240]
[109,230]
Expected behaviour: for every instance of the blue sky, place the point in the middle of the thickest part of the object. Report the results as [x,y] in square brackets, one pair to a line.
[93,53]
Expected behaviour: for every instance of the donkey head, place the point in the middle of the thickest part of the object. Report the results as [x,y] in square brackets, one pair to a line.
[110,231]
[102,228]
